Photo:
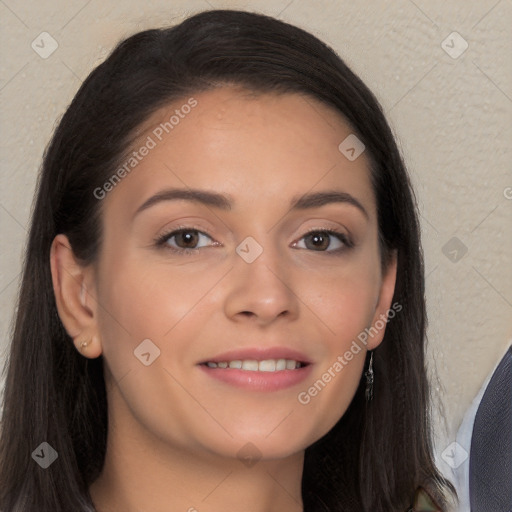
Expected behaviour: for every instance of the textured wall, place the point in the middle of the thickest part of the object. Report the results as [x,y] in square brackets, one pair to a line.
[448,97]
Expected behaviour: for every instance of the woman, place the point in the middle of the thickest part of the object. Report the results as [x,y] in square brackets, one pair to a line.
[222,304]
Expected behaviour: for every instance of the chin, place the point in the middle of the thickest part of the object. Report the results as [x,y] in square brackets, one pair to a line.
[255,445]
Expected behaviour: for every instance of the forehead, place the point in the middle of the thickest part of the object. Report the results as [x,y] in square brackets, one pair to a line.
[252,147]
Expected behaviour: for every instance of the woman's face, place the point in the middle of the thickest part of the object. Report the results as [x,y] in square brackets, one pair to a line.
[251,278]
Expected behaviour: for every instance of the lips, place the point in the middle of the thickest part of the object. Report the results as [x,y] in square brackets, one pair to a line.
[253,368]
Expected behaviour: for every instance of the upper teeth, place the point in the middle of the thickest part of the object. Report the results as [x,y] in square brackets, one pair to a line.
[268,365]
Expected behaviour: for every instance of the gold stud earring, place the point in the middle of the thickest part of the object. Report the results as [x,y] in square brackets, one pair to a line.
[84,344]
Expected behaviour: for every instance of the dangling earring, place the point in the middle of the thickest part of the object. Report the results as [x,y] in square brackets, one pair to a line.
[369,379]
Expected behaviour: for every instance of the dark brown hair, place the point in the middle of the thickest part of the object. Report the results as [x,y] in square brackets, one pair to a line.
[375,457]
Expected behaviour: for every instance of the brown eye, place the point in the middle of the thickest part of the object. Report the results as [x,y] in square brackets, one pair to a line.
[326,241]
[188,238]
[318,240]
[183,240]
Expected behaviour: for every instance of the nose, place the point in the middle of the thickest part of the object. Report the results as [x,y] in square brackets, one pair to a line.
[260,291]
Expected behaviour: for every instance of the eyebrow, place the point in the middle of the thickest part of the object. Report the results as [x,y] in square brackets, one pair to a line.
[225,202]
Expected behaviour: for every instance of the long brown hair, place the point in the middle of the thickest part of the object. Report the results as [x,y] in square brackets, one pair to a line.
[375,457]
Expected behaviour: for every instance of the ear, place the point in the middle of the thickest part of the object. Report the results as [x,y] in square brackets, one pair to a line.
[73,286]
[384,311]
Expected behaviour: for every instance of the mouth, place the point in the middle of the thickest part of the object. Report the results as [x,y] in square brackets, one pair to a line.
[253,365]
[259,369]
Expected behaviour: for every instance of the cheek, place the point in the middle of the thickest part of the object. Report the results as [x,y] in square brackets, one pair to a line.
[130,311]
[329,394]
[133,292]
[140,301]
[140,310]
[345,302]
[346,306]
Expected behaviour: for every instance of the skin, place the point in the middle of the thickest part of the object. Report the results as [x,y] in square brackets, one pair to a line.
[174,432]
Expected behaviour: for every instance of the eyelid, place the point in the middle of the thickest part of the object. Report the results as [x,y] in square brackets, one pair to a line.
[161,240]
[344,238]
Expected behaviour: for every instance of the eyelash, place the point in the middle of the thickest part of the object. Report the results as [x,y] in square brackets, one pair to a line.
[161,241]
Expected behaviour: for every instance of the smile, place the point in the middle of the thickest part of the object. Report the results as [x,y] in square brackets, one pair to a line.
[252,375]
[268,365]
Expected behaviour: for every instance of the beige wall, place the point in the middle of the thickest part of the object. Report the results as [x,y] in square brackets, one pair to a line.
[452,115]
